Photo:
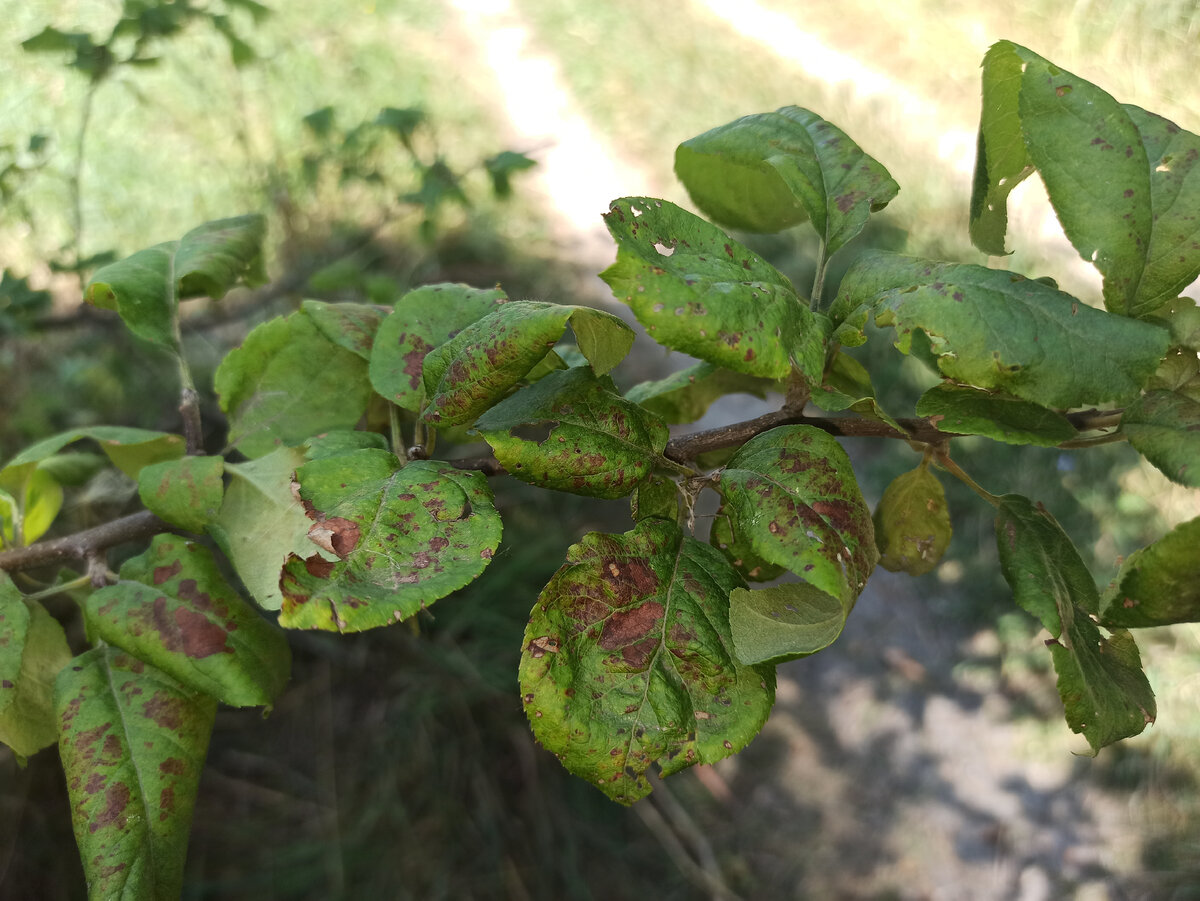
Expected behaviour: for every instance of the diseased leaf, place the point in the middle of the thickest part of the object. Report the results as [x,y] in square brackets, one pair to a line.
[739,551]
[783,622]
[1104,691]
[912,523]
[686,395]
[1134,219]
[184,492]
[658,496]
[597,442]
[348,325]
[132,742]
[628,660]
[1157,585]
[341,441]
[403,538]
[423,319]
[1001,417]
[996,329]
[770,171]
[262,522]
[172,608]
[1164,426]
[697,290]
[33,648]
[478,366]
[129,449]
[287,382]
[145,289]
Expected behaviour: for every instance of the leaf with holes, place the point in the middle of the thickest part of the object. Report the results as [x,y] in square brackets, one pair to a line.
[145,289]
[478,366]
[595,443]
[1135,221]
[628,660]
[770,171]
[184,492]
[33,648]
[1158,584]
[697,290]
[686,395]
[1104,691]
[421,320]
[287,382]
[174,609]
[132,742]
[1162,425]
[1001,417]
[997,329]
[402,537]
[912,524]
[262,523]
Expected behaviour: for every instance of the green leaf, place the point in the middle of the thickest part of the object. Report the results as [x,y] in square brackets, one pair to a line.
[132,742]
[33,648]
[592,441]
[739,551]
[478,366]
[129,449]
[1157,585]
[184,492]
[1104,691]
[288,382]
[404,122]
[174,609]
[783,622]
[73,469]
[402,537]
[145,289]
[1182,316]
[657,496]
[320,121]
[767,172]
[1165,428]
[628,660]
[1124,182]
[912,524]
[970,411]
[697,290]
[996,329]
[36,497]
[349,325]
[791,493]
[421,320]
[502,167]
[262,522]
[341,441]
[686,395]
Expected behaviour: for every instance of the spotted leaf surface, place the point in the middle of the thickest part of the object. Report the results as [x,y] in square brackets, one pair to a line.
[912,523]
[686,395]
[770,171]
[628,660]
[145,289]
[1136,220]
[1104,690]
[286,382]
[697,290]
[478,366]
[969,411]
[1162,426]
[184,492]
[1158,584]
[348,325]
[996,329]
[421,320]
[173,608]
[597,442]
[132,742]
[401,538]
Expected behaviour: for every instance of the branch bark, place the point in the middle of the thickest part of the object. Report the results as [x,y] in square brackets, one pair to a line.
[80,546]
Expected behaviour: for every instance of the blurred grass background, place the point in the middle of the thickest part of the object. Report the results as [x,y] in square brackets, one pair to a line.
[400,766]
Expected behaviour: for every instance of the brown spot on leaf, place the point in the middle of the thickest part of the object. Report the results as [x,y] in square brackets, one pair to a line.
[318,567]
[173,766]
[116,799]
[165,711]
[163,573]
[542,646]
[629,578]
[629,626]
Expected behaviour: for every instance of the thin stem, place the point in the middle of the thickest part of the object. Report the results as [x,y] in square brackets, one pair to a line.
[398,446]
[955,470]
[814,300]
[1110,438]
[50,592]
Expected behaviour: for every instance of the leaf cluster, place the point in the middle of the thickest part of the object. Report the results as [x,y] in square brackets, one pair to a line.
[353,492]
